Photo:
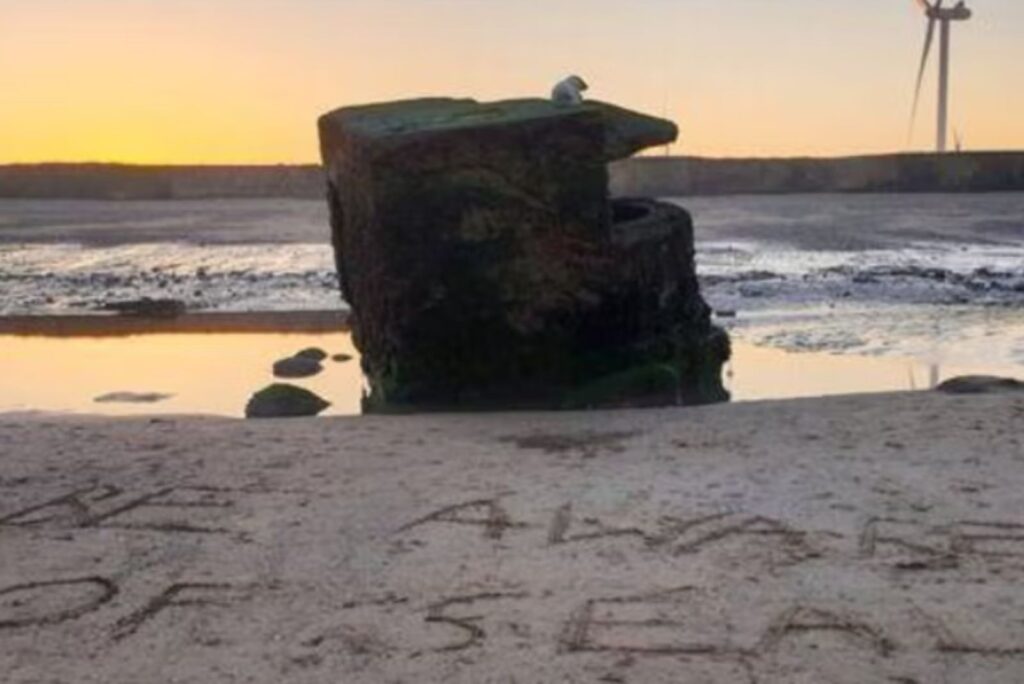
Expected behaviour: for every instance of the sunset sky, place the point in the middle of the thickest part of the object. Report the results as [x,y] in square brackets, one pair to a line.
[242,81]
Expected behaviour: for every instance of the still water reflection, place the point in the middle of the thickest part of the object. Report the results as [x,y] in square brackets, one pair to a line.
[208,373]
[216,373]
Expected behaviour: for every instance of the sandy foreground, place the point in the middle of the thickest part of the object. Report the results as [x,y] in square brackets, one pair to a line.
[853,539]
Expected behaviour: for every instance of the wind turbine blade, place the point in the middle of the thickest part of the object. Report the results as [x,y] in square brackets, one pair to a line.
[928,39]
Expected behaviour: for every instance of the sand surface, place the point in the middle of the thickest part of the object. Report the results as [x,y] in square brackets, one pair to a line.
[853,539]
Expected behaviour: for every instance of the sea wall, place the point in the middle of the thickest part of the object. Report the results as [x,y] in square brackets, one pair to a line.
[961,172]
[642,176]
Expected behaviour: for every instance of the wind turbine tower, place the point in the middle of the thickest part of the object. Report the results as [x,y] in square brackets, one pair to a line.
[937,14]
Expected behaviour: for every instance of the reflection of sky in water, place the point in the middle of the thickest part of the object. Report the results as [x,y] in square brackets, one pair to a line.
[209,373]
[216,373]
[757,373]
[945,335]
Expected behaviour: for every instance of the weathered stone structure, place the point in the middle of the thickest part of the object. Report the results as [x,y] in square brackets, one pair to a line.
[486,266]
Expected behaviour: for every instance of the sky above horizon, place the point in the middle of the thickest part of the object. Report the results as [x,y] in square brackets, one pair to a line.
[243,81]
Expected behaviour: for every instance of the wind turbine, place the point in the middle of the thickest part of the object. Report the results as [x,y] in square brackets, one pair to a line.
[937,14]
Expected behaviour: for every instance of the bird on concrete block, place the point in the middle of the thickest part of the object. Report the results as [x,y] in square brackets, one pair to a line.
[569,90]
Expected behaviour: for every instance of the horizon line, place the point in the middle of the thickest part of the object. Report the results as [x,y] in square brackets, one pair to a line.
[645,157]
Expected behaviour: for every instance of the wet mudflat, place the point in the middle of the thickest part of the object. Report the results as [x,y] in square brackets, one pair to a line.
[908,266]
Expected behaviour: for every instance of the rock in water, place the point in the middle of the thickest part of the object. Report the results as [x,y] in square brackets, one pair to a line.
[284,401]
[980,384]
[486,266]
[296,367]
[314,353]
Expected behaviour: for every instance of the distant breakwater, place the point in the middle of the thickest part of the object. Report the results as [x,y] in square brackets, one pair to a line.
[131,182]
[688,176]
[650,176]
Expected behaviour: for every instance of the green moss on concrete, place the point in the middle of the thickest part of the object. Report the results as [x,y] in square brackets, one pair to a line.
[626,132]
[479,259]
[652,384]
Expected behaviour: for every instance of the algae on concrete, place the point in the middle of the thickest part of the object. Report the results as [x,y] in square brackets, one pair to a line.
[487,267]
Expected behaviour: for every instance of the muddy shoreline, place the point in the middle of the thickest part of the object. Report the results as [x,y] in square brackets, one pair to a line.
[104,325]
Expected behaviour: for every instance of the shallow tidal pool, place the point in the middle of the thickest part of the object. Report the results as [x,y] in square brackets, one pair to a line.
[204,373]
[216,373]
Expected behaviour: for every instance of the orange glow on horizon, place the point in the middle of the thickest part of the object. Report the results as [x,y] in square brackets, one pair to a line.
[226,81]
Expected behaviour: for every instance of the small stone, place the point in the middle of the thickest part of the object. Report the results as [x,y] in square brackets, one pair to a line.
[296,367]
[314,353]
[132,398]
[284,401]
[980,384]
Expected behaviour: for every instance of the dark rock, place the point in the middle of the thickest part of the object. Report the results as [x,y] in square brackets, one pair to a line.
[312,353]
[980,384]
[296,367]
[284,401]
[752,291]
[486,266]
[147,308]
[985,272]
[757,276]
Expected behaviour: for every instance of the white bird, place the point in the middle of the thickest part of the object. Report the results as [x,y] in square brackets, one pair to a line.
[569,91]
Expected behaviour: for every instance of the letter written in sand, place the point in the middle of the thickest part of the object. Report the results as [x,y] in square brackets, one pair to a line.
[989,539]
[182,595]
[752,534]
[170,509]
[471,631]
[675,621]
[35,604]
[484,513]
